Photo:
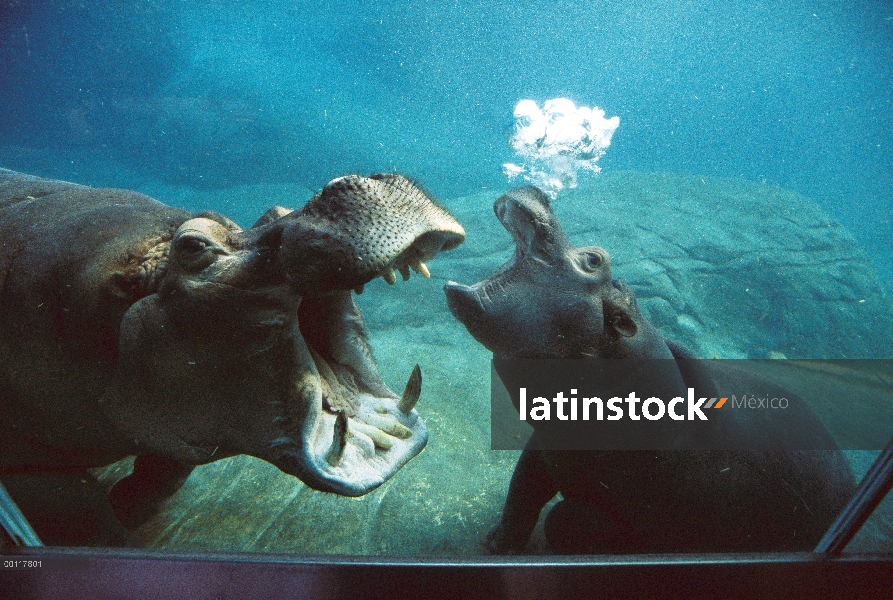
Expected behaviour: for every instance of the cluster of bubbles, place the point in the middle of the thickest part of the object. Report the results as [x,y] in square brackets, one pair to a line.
[557,142]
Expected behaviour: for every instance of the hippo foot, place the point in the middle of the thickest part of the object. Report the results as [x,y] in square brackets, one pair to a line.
[137,497]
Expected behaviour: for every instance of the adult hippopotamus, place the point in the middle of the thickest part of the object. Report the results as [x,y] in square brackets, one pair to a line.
[128,327]
[554,300]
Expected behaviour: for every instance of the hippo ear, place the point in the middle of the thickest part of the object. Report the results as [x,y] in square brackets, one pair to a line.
[142,273]
[620,310]
[274,214]
[213,215]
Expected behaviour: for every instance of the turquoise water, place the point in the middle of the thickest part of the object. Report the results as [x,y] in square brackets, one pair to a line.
[755,129]
[212,95]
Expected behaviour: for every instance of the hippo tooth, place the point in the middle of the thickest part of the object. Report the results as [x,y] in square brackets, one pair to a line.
[379,437]
[419,267]
[412,392]
[389,425]
[404,272]
[363,443]
[389,276]
[339,439]
[358,290]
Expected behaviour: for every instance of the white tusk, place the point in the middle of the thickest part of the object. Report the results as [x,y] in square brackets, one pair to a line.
[412,392]
[419,267]
[339,439]
[389,425]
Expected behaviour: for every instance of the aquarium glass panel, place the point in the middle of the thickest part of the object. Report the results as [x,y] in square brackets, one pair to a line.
[261,261]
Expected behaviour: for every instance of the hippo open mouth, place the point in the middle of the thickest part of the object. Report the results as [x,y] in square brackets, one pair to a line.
[530,229]
[363,432]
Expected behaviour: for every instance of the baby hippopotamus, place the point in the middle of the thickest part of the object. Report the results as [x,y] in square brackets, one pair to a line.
[554,300]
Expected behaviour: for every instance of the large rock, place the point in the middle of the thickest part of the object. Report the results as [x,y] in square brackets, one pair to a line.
[731,268]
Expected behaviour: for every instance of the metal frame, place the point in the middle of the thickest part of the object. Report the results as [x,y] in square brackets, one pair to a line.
[89,573]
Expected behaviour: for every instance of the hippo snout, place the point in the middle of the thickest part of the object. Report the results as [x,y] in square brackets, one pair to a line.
[360,228]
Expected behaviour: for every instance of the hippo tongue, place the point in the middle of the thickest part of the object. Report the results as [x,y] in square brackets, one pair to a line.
[360,228]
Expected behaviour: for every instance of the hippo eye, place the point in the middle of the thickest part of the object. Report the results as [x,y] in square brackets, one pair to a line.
[593,261]
[193,253]
[191,245]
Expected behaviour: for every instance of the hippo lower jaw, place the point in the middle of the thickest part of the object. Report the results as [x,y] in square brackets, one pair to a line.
[359,432]
[310,398]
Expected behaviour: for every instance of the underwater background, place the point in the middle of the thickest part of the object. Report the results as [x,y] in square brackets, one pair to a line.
[753,162]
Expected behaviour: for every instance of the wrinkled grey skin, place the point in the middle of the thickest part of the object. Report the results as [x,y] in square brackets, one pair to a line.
[128,327]
[553,300]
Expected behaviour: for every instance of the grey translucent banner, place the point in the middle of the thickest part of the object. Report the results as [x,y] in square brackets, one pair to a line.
[669,404]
